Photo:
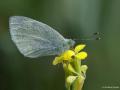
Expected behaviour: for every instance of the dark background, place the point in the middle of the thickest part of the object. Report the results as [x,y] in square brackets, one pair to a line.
[73,19]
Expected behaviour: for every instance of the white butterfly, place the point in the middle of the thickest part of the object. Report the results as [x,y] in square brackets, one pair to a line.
[35,39]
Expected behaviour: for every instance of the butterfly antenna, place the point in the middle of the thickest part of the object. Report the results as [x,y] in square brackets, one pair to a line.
[95,36]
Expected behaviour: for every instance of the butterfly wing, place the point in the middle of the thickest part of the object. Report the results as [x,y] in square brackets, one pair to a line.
[34,39]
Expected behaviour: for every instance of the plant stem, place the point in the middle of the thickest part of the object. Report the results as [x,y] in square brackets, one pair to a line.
[78,84]
[68,88]
[77,65]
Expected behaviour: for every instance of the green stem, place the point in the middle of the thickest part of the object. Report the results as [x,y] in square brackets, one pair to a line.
[68,88]
[77,65]
[65,67]
[78,84]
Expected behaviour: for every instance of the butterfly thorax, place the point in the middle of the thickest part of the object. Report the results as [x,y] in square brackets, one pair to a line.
[70,42]
[66,45]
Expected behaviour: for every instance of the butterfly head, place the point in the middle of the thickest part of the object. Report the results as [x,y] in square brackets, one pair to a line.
[70,42]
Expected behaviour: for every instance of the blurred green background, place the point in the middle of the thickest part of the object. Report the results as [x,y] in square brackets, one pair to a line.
[73,19]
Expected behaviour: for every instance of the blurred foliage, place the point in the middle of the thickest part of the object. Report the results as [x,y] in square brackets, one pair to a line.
[73,19]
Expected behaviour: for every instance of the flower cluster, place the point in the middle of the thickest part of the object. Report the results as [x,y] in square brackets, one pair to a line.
[75,72]
[69,55]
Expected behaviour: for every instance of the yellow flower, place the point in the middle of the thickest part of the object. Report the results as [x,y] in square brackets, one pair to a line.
[57,60]
[81,55]
[67,55]
[71,54]
[78,48]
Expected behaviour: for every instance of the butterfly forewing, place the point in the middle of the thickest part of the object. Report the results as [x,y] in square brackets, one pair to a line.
[34,39]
